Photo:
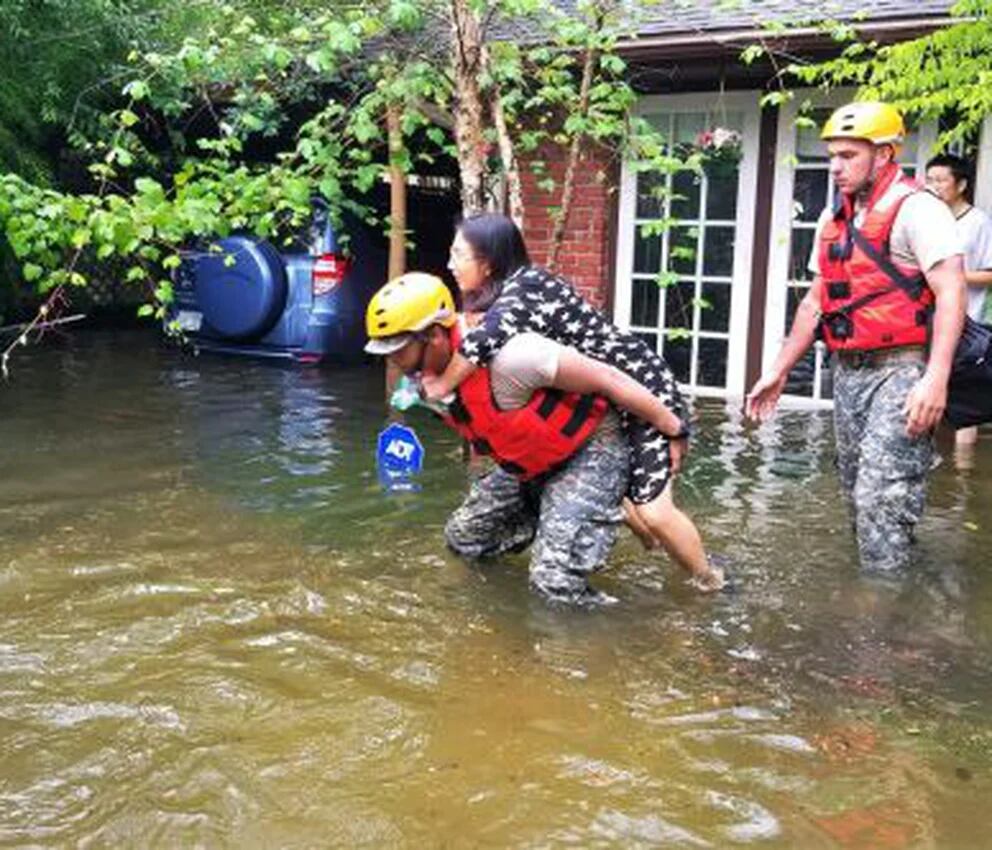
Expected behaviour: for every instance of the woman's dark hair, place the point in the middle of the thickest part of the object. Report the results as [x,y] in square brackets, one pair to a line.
[497,240]
[958,166]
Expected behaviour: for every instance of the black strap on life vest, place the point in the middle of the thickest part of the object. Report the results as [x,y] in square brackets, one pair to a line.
[458,411]
[847,309]
[512,468]
[912,286]
[552,398]
[583,408]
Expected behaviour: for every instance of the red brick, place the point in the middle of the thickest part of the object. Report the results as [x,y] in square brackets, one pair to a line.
[584,253]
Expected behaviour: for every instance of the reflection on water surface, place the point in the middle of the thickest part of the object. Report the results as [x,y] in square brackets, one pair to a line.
[216,629]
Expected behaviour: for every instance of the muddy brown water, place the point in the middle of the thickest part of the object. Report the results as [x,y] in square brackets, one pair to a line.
[216,630]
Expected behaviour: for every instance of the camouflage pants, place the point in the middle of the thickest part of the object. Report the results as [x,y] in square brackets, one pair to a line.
[882,470]
[572,517]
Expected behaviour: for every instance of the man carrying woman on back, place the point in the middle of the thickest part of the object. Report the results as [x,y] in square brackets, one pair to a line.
[511,297]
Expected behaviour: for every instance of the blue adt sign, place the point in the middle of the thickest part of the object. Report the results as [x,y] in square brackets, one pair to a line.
[399,452]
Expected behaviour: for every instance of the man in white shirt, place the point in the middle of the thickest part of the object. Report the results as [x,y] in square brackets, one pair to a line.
[949,178]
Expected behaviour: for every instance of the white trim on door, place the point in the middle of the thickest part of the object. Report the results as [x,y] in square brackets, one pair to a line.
[715,103]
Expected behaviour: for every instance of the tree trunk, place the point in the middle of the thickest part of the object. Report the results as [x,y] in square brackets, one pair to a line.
[466,60]
[397,194]
[509,159]
[574,149]
[397,217]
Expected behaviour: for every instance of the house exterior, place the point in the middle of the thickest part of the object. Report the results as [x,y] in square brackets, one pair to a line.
[751,228]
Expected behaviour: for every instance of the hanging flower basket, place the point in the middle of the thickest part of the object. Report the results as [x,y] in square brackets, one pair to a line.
[721,150]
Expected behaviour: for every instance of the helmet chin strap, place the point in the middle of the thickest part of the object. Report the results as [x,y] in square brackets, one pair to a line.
[864,190]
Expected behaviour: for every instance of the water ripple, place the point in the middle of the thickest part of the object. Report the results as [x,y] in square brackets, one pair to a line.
[218,630]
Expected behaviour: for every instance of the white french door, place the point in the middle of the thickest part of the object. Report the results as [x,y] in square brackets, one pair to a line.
[698,319]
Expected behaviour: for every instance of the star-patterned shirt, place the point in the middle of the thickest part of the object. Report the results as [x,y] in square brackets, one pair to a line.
[534,300]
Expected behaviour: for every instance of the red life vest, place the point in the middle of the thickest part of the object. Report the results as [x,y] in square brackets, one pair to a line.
[870,301]
[529,441]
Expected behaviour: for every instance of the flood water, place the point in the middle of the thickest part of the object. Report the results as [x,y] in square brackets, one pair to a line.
[216,630]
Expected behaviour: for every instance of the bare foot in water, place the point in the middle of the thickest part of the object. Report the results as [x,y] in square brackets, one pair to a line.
[709,582]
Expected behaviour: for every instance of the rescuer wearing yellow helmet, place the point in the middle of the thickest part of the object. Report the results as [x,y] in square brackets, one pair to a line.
[887,298]
[404,307]
[561,462]
[542,411]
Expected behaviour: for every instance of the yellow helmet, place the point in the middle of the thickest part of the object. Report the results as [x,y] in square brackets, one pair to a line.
[405,305]
[868,120]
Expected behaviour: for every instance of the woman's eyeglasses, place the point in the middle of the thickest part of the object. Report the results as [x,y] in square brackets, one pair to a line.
[461,256]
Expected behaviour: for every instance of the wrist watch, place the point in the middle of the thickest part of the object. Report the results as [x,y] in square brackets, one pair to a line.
[685,430]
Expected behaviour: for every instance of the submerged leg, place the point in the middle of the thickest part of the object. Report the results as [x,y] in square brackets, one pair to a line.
[679,537]
[652,513]
[497,516]
[580,514]
[890,492]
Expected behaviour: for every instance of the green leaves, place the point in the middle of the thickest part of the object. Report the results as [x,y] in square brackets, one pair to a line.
[163,292]
[127,118]
[752,53]
[313,82]
[363,128]
[404,14]
[137,90]
[942,74]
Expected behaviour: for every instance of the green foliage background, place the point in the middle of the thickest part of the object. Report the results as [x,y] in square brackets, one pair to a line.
[55,58]
[945,74]
[139,122]
[130,127]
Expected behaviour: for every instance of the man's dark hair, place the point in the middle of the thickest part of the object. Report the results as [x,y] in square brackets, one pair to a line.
[958,166]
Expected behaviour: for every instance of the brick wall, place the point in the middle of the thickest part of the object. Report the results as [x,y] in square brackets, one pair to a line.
[585,256]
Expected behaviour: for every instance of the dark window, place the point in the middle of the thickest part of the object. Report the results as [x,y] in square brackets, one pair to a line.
[810,193]
[714,315]
[721,195]
[712,362]
[647,253]
[644,303]
[678,304]
[685,194]
[718,252]
[678,353]
[648,204]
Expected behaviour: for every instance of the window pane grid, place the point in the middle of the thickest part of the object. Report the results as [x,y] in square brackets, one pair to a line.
[812,191]
[655,329]
[691,222]
[705,332]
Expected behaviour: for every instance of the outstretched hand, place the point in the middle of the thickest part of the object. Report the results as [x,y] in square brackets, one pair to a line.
[760,404]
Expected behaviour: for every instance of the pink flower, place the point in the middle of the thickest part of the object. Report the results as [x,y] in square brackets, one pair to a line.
[718,138]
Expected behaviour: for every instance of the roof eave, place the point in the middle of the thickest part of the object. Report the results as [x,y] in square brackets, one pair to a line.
[688,44]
